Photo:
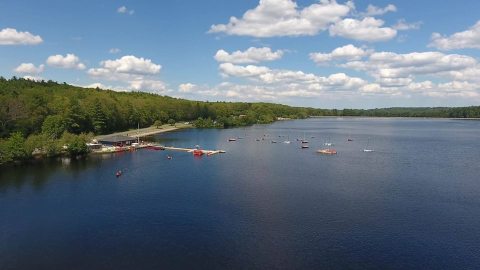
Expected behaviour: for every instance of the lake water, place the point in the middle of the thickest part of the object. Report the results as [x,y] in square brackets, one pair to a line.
[413,203]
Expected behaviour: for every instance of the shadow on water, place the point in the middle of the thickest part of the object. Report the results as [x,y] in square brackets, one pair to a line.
[36,174]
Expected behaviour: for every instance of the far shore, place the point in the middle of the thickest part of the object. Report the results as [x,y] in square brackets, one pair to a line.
[143,132]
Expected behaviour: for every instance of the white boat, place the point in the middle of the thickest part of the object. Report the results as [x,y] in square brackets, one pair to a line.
[328,143]
[367,148]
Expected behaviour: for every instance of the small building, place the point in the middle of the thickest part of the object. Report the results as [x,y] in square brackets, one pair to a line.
[117,140]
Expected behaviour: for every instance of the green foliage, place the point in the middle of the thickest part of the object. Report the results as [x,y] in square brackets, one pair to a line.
[99,119]
[75,145]
[157,123]
[171,122]
[26,105]
[53,126]
[13,149]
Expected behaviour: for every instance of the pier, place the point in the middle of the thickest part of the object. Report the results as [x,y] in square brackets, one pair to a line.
[190,150]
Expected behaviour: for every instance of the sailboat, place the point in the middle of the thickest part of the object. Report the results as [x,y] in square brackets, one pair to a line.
[304,140]
[367,148]
[327,142]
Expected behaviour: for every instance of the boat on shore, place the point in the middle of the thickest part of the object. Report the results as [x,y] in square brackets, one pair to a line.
[327,151]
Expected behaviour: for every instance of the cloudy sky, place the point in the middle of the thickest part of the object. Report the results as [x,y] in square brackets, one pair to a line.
[328,54]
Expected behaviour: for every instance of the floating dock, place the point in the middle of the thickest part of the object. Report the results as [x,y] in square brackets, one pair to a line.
[190,150]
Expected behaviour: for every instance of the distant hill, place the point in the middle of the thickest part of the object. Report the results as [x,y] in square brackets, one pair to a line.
[26,106]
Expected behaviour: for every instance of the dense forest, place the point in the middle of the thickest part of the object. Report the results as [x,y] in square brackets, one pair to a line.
[52,118]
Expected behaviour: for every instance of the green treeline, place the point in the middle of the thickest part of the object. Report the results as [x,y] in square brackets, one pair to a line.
[49,119]
[30,107]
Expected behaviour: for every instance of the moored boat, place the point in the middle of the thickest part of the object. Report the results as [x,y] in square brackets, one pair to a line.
[232,139]
[197,152]
[328,151]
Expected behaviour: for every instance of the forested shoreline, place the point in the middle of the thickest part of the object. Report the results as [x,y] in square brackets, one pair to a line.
[50,118]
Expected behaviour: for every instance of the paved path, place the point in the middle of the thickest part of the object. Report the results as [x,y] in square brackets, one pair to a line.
[146,131]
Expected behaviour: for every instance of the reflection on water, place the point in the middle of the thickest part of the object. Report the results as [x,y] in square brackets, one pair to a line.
[412,203]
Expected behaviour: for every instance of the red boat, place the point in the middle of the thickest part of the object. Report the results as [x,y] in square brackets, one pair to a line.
[118,173]
[197,152]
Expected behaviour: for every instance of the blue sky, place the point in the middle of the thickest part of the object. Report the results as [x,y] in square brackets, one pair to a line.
[343,54]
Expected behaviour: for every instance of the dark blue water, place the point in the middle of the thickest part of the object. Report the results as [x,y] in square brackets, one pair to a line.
[413,203]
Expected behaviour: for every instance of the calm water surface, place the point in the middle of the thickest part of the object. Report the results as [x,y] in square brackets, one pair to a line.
[413,203]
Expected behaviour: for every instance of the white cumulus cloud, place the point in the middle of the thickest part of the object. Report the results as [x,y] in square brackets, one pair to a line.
[466,39]
[284,18]
[29,68]
[69,61]
[137,73]
[251,55]
[10,36]
[186,87]
[125,10]
[126,65]
[392,69]
[348,52]
[367,29]
[374,10]
[403,25]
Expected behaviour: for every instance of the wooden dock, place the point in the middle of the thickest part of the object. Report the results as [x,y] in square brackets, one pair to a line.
[190,150]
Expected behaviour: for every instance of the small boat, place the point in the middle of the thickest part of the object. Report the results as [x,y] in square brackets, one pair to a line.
[328,151]
[327,142]
[274,141]
[349,140]
[304,140]
[157,147]
[232,139]
[257,140]
[367,148]
[222,151]
[118,173]
[304,146]
[287,142]
[198,152]
[169,157]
